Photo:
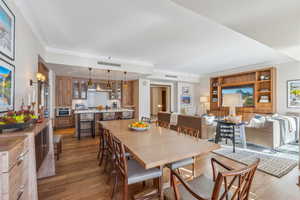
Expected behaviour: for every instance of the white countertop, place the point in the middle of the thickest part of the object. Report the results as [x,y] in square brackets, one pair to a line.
[102,111]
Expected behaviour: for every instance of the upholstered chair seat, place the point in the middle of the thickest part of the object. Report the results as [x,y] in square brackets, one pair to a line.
[181,163]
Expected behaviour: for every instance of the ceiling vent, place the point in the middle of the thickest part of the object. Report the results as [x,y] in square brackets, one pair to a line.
[171,76]
[109,64]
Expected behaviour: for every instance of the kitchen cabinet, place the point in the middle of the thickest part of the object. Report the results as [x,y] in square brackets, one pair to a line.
[41,146]
[63,91]
[79,89]
[115,93]
[64,121]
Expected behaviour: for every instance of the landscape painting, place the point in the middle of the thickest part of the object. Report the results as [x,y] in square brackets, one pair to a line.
[247,93]
[293,94]
[7,80]
[7,31]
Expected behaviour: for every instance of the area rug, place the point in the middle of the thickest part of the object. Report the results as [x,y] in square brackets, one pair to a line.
[270,164]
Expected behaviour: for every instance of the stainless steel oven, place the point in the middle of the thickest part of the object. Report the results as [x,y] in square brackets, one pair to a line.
[63,111]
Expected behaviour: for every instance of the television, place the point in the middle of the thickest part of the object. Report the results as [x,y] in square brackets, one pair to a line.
[247,92]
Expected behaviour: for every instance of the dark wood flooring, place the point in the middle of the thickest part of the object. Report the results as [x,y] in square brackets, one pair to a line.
[79,177]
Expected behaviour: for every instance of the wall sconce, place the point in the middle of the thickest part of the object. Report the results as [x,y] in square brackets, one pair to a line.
[40,78]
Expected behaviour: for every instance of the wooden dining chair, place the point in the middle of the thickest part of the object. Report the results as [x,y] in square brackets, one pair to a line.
[102,146]
[189,131]
[227,184]
[163,124]
[132,172]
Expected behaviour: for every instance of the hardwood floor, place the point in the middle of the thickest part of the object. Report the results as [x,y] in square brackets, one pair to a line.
[79,177]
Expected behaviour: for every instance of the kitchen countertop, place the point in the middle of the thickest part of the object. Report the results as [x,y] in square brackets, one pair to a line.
[102,111]
[7,143]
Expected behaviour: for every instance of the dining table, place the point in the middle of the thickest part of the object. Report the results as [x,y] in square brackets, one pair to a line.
[157,146]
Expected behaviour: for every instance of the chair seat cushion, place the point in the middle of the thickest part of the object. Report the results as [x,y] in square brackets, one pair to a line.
[56,139]
[201,185]
[137,173]
[181,163]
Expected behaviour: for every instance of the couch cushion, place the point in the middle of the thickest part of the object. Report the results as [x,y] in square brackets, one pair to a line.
[137,173]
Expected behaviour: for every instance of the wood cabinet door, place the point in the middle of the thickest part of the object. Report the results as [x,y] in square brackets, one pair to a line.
[63,91]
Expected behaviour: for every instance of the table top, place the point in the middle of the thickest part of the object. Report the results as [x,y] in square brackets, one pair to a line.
[158,146]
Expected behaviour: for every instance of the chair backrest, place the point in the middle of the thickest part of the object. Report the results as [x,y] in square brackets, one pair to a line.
[121,161]
[225,129]
[229,184]
[108,140]
[189,131]
[163,124]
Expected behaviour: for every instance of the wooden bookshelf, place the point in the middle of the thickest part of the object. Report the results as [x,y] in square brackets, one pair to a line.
[263,82]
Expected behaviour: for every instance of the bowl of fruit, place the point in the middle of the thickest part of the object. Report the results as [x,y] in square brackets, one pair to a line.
[17,119]
[139,126]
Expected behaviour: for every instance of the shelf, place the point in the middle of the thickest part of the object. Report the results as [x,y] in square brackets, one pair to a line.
[238,84]
[266,92]
[263,81]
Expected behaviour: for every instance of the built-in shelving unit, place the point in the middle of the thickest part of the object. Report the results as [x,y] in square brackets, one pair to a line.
[264,83]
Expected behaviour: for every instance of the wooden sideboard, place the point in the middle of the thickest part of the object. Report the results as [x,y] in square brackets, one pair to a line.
[14,168]
[263,82]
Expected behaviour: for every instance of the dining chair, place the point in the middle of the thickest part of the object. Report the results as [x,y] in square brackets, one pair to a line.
[189,131]
[228,183]
[188,161]
[102,146]
[163,124]
[132,172]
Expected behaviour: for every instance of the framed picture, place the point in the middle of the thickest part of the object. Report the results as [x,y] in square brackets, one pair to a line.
[7,31]
[7,86]
[186,100]
[293,95]
[185,90]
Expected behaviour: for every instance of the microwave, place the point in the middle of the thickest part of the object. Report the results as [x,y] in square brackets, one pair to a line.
[63,111]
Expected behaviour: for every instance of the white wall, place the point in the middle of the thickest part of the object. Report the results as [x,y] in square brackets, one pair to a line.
[144,98]
[194,93]
[27,49]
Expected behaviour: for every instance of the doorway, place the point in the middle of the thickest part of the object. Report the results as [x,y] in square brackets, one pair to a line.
[160,99]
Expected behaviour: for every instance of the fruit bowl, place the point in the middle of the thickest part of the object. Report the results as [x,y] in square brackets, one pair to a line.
[139,126]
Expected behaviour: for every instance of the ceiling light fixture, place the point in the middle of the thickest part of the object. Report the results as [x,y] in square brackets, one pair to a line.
[125,79]
[90,82]
[108,85]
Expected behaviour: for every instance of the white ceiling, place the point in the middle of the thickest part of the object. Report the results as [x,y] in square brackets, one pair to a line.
[274,23]
[159,32]
[83,72]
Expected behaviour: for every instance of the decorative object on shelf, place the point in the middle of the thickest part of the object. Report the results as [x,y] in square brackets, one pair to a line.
[232,101]
[90,82]
[293,96]
[17,119]
[139,126]
[7,86]
[264,99]
[264,77]
[7,39]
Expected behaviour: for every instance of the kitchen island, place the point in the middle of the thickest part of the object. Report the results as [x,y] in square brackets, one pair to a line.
[85,120]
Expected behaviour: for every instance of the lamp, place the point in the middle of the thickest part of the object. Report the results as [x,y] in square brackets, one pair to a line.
[232,101]
[39,77]
[203,102]
[90,82]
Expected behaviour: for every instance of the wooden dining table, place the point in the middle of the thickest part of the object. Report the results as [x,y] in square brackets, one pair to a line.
[157,146]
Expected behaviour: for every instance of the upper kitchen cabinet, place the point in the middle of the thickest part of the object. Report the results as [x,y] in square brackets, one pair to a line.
[63,91]
[79,90]
[115,93]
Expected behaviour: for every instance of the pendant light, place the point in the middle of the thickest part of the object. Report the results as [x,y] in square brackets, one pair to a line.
[90,82]
[108,85]
[125,80]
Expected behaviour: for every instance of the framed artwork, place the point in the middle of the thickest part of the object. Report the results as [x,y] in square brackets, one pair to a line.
[293,95]
[185,90]
[7,86]
[186,100]
[7,31]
